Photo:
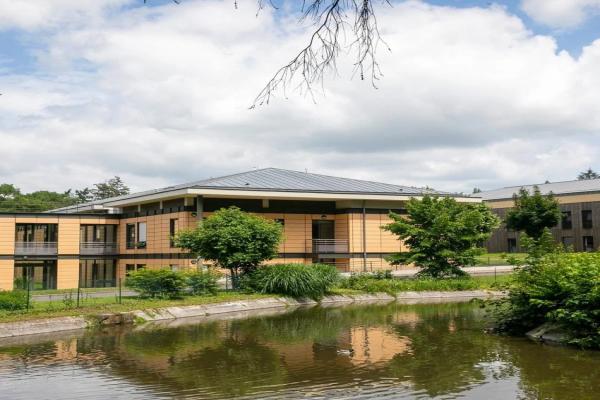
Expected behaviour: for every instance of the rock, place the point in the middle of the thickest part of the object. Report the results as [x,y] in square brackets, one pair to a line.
[548,332]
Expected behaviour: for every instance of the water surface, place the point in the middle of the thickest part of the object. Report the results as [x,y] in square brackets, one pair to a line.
[368,352]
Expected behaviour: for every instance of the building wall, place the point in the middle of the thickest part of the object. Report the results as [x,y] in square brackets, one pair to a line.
[498,242]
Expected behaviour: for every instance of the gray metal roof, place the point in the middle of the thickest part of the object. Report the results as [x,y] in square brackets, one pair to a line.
[558,188]
[281,180]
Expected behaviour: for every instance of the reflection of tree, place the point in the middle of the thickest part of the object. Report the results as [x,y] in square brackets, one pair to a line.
[447,348]
[233,368]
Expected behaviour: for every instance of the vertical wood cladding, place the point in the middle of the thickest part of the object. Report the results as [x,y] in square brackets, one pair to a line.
[7,273]
[498,242]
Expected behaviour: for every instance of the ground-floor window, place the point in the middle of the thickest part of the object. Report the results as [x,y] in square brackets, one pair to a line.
[38,274]
[98,273]
[512,245]
[567,242]
[129,268]
[588,243]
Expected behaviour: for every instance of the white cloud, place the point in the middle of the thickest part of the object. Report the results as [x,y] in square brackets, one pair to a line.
[470,97]
[561,13]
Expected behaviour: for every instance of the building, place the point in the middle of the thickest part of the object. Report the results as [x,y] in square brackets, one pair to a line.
[325,219]
[580,205]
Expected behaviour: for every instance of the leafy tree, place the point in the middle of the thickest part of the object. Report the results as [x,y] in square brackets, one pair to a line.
[111,188]
[476,190]
[84,195]
[589,174]
[234,240]
[11,199]
[442,234]
[532,213]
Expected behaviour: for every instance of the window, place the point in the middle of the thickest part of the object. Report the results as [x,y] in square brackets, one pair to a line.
[512,245]
[588,243]
[280,221]
[130,232]
[174,267]
[129,268]
[567,220]
[36,233]
[141,235]
[567,242]
[586,219]
[173,228]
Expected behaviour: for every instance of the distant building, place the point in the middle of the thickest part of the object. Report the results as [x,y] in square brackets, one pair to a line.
[580,205]
[325,219]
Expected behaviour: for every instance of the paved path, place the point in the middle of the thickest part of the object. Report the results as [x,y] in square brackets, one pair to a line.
[474,271]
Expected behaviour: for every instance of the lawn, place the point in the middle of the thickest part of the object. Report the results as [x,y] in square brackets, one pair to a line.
[497,258]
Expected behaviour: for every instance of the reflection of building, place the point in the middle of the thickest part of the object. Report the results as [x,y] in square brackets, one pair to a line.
[376,344]
[325,219]
[580,224]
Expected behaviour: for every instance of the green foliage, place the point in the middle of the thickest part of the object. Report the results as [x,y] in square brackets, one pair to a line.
[203,282]
[387,274]
[589,174]
[557,287]
[370,284]
[233,239]
[442,234]
[295,280]
[13,300]
[12,200]
[161,283]
[532,213]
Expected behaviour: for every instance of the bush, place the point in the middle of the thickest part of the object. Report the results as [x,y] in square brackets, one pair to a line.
[559,288]
[157,283]
[295,280]
[13,301]
[203,282]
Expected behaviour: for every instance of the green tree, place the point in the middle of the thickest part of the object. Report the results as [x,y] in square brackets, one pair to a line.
[234,240]
[532,213]
[12,199]
[111,188]
[442,234]
[589,174]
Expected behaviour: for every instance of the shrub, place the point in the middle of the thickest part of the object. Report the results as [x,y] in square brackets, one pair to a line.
[560,288]
[157,283]
[295,280]
[203,282]
[13,300]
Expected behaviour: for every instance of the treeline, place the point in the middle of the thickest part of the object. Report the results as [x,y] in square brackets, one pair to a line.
[13,200]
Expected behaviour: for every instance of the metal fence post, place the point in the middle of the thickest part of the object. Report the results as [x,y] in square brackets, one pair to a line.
[78,293]
[28,290]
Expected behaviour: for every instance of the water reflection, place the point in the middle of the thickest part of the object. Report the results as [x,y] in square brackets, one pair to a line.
[396,351]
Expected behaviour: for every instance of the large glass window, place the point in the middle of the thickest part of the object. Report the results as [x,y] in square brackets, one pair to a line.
[36,233]
[97,273]
[586,219]
[98,233]
[567,220]
[38,275]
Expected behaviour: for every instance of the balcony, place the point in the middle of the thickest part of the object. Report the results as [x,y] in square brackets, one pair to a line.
[36,248]
[328,246]
[97,248]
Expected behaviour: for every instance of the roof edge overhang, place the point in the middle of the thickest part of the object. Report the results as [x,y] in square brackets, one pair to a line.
[269,194]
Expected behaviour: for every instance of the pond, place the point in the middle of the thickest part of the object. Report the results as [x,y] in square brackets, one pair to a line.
[367,352]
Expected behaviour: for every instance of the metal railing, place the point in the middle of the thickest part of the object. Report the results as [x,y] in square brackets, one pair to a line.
[36,248]
[328,246]
[97,248]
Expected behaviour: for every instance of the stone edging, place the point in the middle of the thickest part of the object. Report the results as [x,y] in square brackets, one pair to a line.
[47,325]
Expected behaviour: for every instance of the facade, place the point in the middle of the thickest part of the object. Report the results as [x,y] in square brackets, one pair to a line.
[580,206]
[325,219]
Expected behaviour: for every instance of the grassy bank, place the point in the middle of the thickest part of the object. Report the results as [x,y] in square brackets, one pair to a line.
[93,306]
[497,258]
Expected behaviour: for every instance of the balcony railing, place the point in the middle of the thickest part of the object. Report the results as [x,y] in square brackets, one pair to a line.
[329,246]
[97,248]
[36,248]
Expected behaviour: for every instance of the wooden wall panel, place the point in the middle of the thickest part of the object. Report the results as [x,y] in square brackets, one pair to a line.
[68,236]
[7,235]
[67,274]
[7,274]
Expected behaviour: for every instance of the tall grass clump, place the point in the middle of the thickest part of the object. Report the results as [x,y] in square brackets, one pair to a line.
[294,280]
[375,284]
[13,300]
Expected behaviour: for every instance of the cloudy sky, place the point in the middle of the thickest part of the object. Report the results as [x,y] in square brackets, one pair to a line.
[474,94]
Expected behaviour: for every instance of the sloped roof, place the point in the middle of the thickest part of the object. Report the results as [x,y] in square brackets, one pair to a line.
[282,180]
[558,188]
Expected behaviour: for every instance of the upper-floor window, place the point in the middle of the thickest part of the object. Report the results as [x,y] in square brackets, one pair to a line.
[141,235]
[98,233]
[36,233]
[586,219]
[130,236]
[173,228]
[567,220]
